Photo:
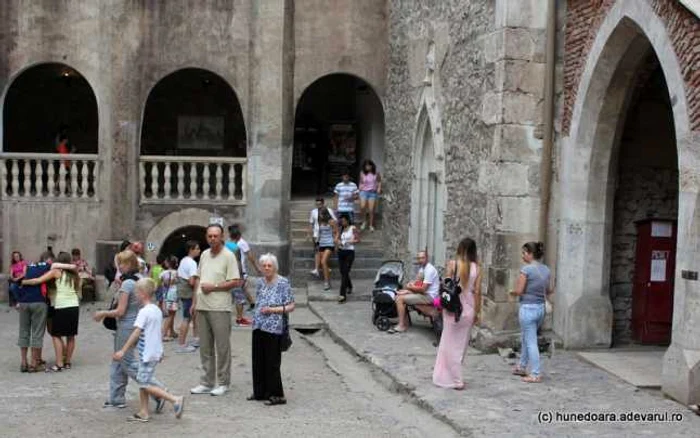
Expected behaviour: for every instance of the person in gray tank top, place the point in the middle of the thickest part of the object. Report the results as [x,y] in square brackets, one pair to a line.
[533,288]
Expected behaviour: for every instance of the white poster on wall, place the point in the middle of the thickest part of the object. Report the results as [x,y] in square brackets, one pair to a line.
[658,266]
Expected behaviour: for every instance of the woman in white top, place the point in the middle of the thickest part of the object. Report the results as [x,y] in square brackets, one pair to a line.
[345,240]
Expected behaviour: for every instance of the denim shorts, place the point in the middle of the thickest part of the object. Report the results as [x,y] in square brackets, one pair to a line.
[145,376]
[238,296]
[365,195]
[186,306]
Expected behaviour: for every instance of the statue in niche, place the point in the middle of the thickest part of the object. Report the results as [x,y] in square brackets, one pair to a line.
[429,64]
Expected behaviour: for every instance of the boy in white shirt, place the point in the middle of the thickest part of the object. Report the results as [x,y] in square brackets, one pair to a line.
[147,333]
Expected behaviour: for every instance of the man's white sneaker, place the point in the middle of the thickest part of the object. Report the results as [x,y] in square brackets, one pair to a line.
[185,349]
[195,342]
[201,389]
[219,390]
[315,273]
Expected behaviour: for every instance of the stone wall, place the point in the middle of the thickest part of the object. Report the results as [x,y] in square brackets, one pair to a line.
[462,73]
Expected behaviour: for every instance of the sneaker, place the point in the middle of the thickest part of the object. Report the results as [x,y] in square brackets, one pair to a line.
[110,405]
[315,273]
[327,286]
[160,404]
[185,349]
[179,406]
[195,342]
[244,322]
[371,229]
[364,226]
[200,389]
[219,390]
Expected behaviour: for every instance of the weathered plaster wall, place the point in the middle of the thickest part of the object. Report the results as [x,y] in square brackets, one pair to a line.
[340,36]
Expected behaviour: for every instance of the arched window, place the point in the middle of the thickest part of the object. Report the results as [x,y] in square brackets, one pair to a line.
[50,108]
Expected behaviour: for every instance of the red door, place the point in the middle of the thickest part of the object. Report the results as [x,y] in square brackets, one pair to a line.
[652,296]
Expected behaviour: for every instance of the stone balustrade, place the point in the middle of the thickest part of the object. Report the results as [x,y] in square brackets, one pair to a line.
[36,176]
[194,180]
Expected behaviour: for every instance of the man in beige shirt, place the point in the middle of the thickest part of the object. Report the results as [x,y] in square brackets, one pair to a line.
[218,274]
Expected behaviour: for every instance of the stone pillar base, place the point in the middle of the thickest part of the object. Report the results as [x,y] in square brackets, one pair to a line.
[589,322]
[4,288]
[680,377]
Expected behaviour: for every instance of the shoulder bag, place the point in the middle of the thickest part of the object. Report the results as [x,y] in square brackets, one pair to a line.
[449,294]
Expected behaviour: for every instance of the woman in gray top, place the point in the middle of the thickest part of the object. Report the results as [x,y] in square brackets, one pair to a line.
[533,288]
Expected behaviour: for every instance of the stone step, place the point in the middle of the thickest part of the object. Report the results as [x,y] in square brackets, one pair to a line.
[365,236]
[302,252]
[361,274]
[359,263]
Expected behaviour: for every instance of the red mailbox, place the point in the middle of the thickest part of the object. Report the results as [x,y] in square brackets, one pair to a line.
[652,294]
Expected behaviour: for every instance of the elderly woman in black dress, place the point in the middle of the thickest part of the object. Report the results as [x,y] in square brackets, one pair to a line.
[274,299]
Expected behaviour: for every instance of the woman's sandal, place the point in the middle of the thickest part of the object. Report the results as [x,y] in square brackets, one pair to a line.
[54,369]
[67,366]
[517,371]
[24,368]
[532,379]
[136,418]
[276,401]
[252,397]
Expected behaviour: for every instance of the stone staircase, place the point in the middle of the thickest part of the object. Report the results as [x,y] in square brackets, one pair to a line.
[368,253]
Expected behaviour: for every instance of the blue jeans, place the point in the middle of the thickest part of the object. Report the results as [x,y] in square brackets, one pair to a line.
[531,317]
[120,371]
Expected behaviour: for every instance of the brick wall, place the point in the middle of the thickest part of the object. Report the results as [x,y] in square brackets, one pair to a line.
[582,23]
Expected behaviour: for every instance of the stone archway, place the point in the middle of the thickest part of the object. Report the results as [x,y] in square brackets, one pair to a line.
[171,223]
[583,314]
[428,193]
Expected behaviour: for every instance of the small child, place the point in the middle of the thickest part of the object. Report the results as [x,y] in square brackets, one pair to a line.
[169,281]
[150,347]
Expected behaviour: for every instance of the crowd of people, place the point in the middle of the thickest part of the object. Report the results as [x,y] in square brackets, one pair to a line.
[143,310]
[147,300]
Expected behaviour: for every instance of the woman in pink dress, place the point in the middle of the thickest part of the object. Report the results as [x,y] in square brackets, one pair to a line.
[455,334]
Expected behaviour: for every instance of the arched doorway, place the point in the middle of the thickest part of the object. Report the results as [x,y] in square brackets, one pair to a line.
[175,243]
[50,107]
[193,140]
[644,171]
[620,165]
[428,191]
[339,123]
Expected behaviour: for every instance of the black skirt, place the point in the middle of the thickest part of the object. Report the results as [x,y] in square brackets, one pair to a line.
[65,321]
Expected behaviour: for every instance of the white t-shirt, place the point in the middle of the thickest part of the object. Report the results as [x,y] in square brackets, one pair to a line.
[245,249]
[346,238]
[313,219]
[187,268]
[150,320]
[432,279]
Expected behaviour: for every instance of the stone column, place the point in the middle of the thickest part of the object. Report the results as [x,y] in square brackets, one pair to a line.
[271,127]
[510,177]
[680,375]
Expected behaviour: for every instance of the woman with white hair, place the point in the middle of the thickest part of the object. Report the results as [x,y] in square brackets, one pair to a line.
[274,299]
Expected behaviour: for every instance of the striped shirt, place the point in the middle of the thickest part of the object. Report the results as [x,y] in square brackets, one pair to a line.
[346,193]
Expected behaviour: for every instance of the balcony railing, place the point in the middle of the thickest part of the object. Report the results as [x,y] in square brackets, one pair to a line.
[35,176]
[193,180]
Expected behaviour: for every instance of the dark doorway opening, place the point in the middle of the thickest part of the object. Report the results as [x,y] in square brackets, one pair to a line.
[50,108]
[339,122]
[646,191]
[176,242]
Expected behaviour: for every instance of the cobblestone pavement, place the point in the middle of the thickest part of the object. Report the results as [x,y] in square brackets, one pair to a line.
[495,403]
[324,400]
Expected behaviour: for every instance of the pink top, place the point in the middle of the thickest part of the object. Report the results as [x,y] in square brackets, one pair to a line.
[368,182]
[18,268]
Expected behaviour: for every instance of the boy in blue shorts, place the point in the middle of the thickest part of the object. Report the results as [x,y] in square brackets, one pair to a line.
[147,333]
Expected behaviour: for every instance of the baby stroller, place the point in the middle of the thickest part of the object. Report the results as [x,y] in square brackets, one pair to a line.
[388,281]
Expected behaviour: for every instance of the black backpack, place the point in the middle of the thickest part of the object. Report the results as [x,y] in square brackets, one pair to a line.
[449,295]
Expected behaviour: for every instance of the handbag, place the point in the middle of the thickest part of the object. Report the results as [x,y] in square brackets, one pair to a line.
[286,341]
[449,295]
[109,322]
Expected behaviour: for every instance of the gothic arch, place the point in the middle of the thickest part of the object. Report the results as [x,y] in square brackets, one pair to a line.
[428,193]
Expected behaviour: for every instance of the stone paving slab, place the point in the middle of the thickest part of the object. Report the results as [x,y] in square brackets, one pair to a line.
[362,291]
[639,368]
[495,403]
